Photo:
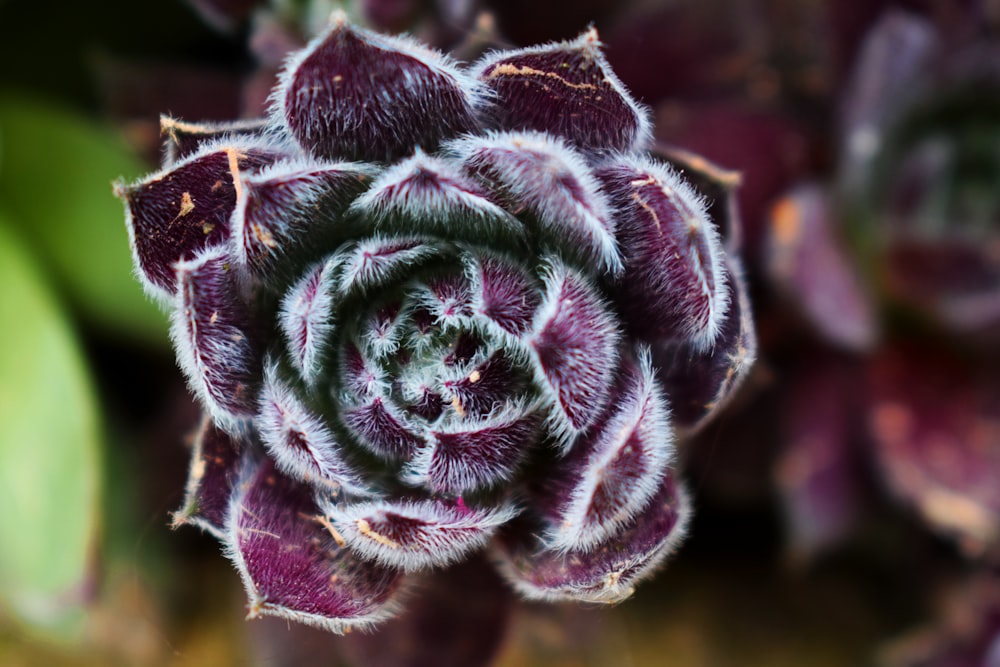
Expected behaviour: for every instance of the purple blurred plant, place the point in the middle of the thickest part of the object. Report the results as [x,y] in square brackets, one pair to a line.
[916,290]
[429,309]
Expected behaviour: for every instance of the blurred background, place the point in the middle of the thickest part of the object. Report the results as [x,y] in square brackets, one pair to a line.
[847,500]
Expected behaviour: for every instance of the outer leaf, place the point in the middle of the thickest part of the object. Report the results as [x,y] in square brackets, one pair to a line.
[54,174]
[701,382]
[611,478]
[674,282]
[353,94]
[607,573]
[49,448]
[567,89]
[173,214]
[212,477]
[212,335]
[294,566]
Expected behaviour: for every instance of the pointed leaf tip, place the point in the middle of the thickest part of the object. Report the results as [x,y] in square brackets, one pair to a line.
[340,94]
[567,89]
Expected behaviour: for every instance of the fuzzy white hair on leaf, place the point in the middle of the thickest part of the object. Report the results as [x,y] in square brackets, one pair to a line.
[212,350]
[701,328]
[551,179]
[178,131]
[610,584]
[245,524]
[299,440]
[275,207]
[588,45]
[623,471]
[447,300]
[377,260]
[574,348]
[429,194]
[381,332]
[415,535]
[306,319]
[361,378]
[464,454]
[234,149]
[397,110]
[504,296]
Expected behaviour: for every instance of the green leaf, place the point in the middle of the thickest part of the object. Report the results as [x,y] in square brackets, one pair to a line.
[55,177]
[49,450]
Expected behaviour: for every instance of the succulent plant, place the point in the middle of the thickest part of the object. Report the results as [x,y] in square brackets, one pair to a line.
[431,310]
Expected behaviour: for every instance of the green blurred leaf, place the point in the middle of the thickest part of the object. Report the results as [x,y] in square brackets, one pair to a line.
[55,177]
[49,449]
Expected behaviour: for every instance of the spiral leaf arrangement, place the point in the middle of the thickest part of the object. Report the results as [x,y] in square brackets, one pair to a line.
[431,310]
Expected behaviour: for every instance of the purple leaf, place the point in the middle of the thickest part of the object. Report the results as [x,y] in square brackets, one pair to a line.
[429,405]
[610,478]
[300,441]
[534,172]
[722,189]
[674,282]
[359,377]
[375,261]
[214,471]
[505,294]
[809,263]
[471,454]
[292,210]
[306,320]
[606,573]
[357,95]
[383,430]
[700,382]
[175,213]
[209,327]
[956,280]
[487,387]
[294,566]
[575,344]
[447,298]
[566,89]
[890,69]
[425,194]
[185,138]
[416,534]
[382,330]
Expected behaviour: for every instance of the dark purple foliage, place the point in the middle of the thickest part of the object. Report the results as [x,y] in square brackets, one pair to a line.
[418,333]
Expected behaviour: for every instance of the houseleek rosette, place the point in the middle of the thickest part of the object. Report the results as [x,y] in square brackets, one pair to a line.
[431,310]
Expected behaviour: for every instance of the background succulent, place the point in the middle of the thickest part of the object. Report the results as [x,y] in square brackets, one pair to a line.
[427,308]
